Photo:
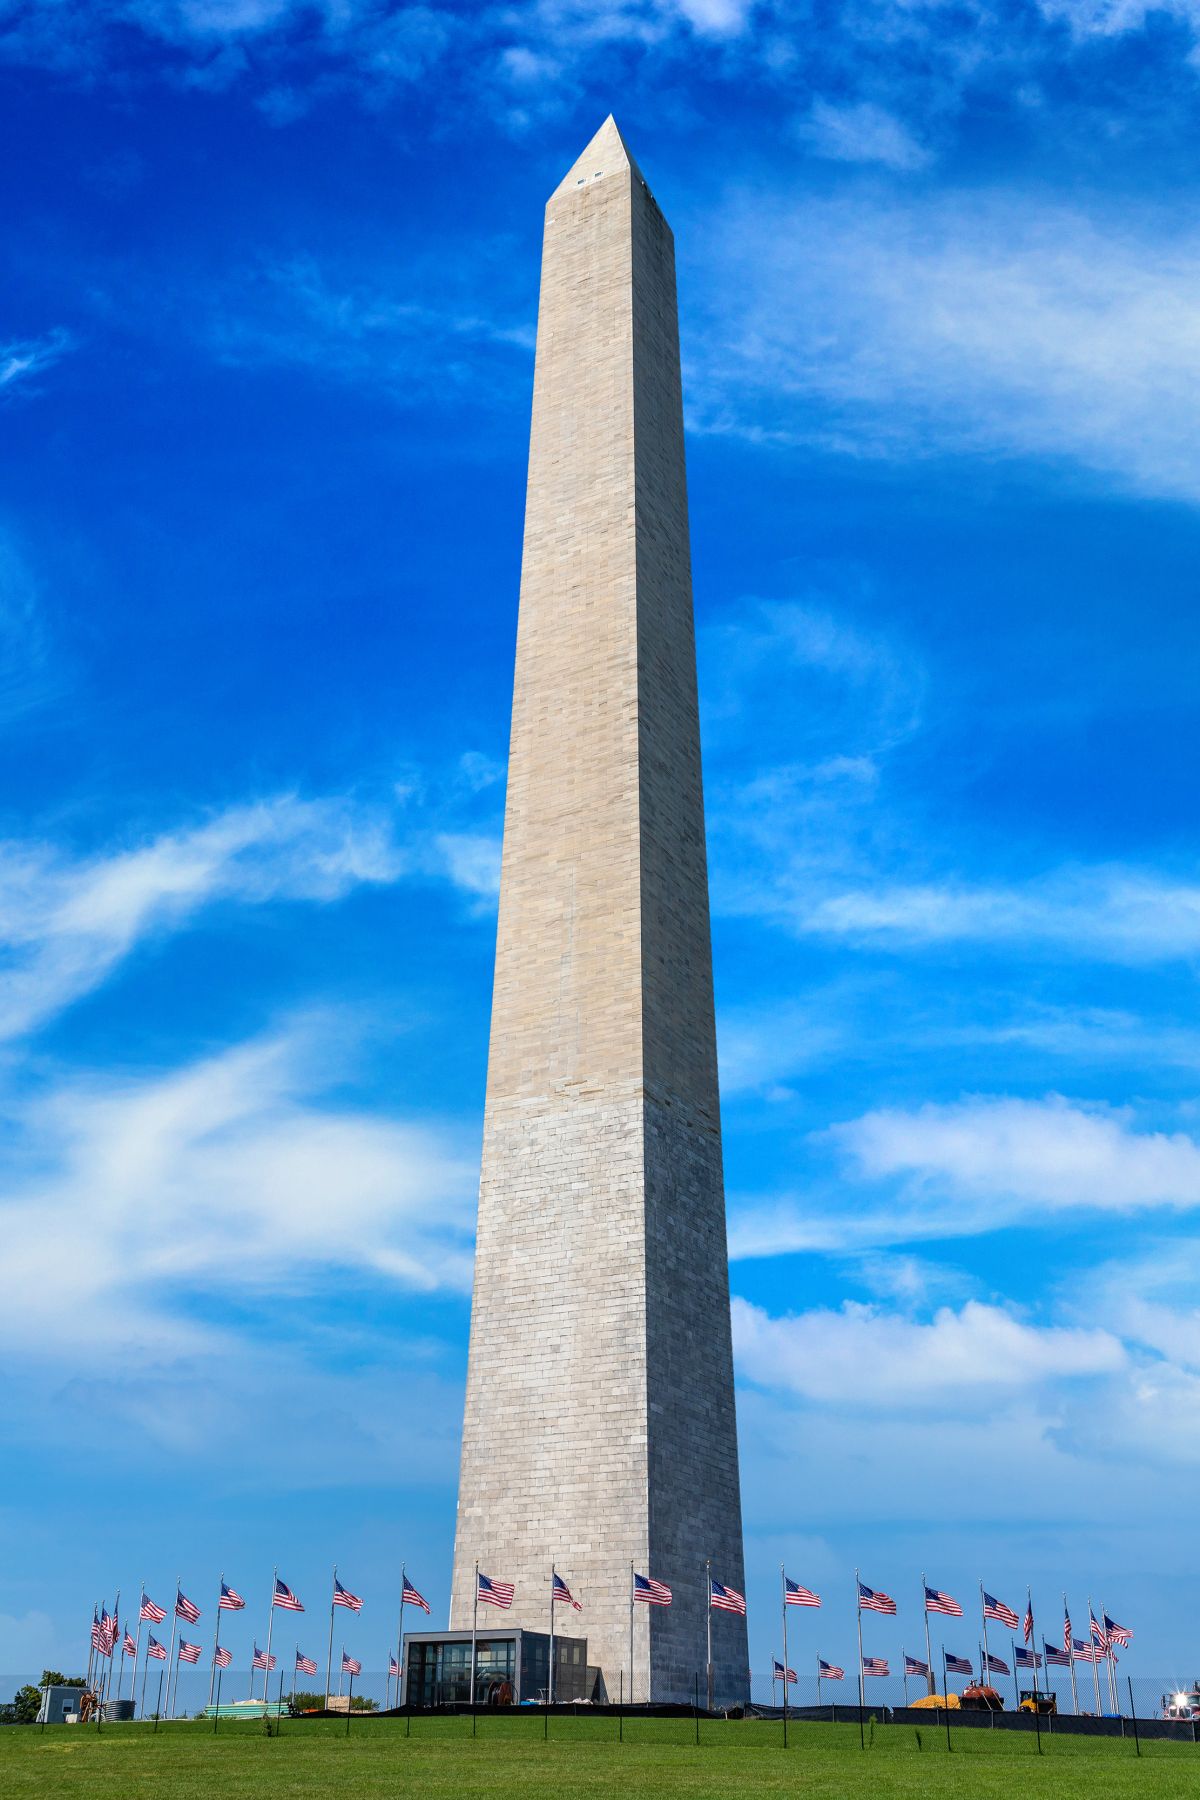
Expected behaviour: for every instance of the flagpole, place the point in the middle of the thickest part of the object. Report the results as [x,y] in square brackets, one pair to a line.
[928,1649]
[1069,1647]
[474,1629]
[270,1629]
[212,1674]
[986,1669]
[1012,1644]
[904,1675]
[1109,1655]
[708,1624]
[783,1609]
[174,1634]
[858,1621]
[1095,1670]
[137,1645]
[92,1644]
[818,1681]
[550,1690]
[400,1643]
[329,1658]
[116,1628]
[631,1634]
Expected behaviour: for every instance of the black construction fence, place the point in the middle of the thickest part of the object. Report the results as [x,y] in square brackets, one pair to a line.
[1147,1711]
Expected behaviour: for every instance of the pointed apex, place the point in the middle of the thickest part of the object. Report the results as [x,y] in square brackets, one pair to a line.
[606,153]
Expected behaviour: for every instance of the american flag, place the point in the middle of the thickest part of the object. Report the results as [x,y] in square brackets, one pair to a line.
[795,1595]
[343,1597]
[284,1598]
[129,1644]
[875,1665]
[393,1666]
[995,1665]
[350,1665]
[260,1659]
[1085,1652]
[1098,1636]
[305,1664]
[97,1638]
[936,1601]
[231,1600]
[913,1667]
[495,1593]
[1055,1658]
[957,1665]
[782,1674]
[108,1633]
[154,1614]
[829,1671]
[154,1648]
[1117,1634]
[185,1608]
[189,1653]
[1066,1629]
[561,1594]
[1027,1623]
[871,1600]
[726,1599]
[1027,1659]
[410,1597]
[996,1609]
[654,1593]
[222,1658]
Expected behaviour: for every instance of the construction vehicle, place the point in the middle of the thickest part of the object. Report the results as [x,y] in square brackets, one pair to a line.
[978,1697]
[1038,1700]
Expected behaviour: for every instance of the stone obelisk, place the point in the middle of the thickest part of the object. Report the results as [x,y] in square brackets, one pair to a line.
[599,1427]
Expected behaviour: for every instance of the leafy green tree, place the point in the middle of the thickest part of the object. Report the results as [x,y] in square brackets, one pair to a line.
[27,1702]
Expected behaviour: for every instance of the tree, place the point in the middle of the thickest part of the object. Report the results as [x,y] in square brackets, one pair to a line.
[27,1703]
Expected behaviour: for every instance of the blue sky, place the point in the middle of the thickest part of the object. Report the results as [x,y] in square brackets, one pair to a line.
[265,367]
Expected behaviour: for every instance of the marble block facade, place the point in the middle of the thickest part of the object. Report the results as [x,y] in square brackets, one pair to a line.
[599,1427]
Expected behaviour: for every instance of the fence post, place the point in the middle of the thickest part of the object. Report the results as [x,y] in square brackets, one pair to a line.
[621,1710]
[1133,1715]
[1037,1714]
[696,1707]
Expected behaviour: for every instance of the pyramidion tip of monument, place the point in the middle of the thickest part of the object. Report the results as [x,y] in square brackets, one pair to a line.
[606,152]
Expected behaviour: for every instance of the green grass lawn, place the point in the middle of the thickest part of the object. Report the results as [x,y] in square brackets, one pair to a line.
[510,1758]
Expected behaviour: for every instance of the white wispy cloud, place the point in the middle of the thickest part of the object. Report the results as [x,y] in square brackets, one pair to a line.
[877,1358]
[993,325]
[428,332]
[862,132]
[1023,1155]
[22,360]
[67,922]
[130,1198]
[982,1164]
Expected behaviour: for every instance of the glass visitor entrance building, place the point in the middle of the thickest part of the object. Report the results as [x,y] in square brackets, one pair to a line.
[511,1667]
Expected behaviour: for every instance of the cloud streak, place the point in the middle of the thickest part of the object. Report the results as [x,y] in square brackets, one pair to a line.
[132,1198]
[991,325]
[873,1358]
[23,360]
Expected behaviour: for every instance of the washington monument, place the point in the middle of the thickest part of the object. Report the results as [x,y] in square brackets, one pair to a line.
[599,1428]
